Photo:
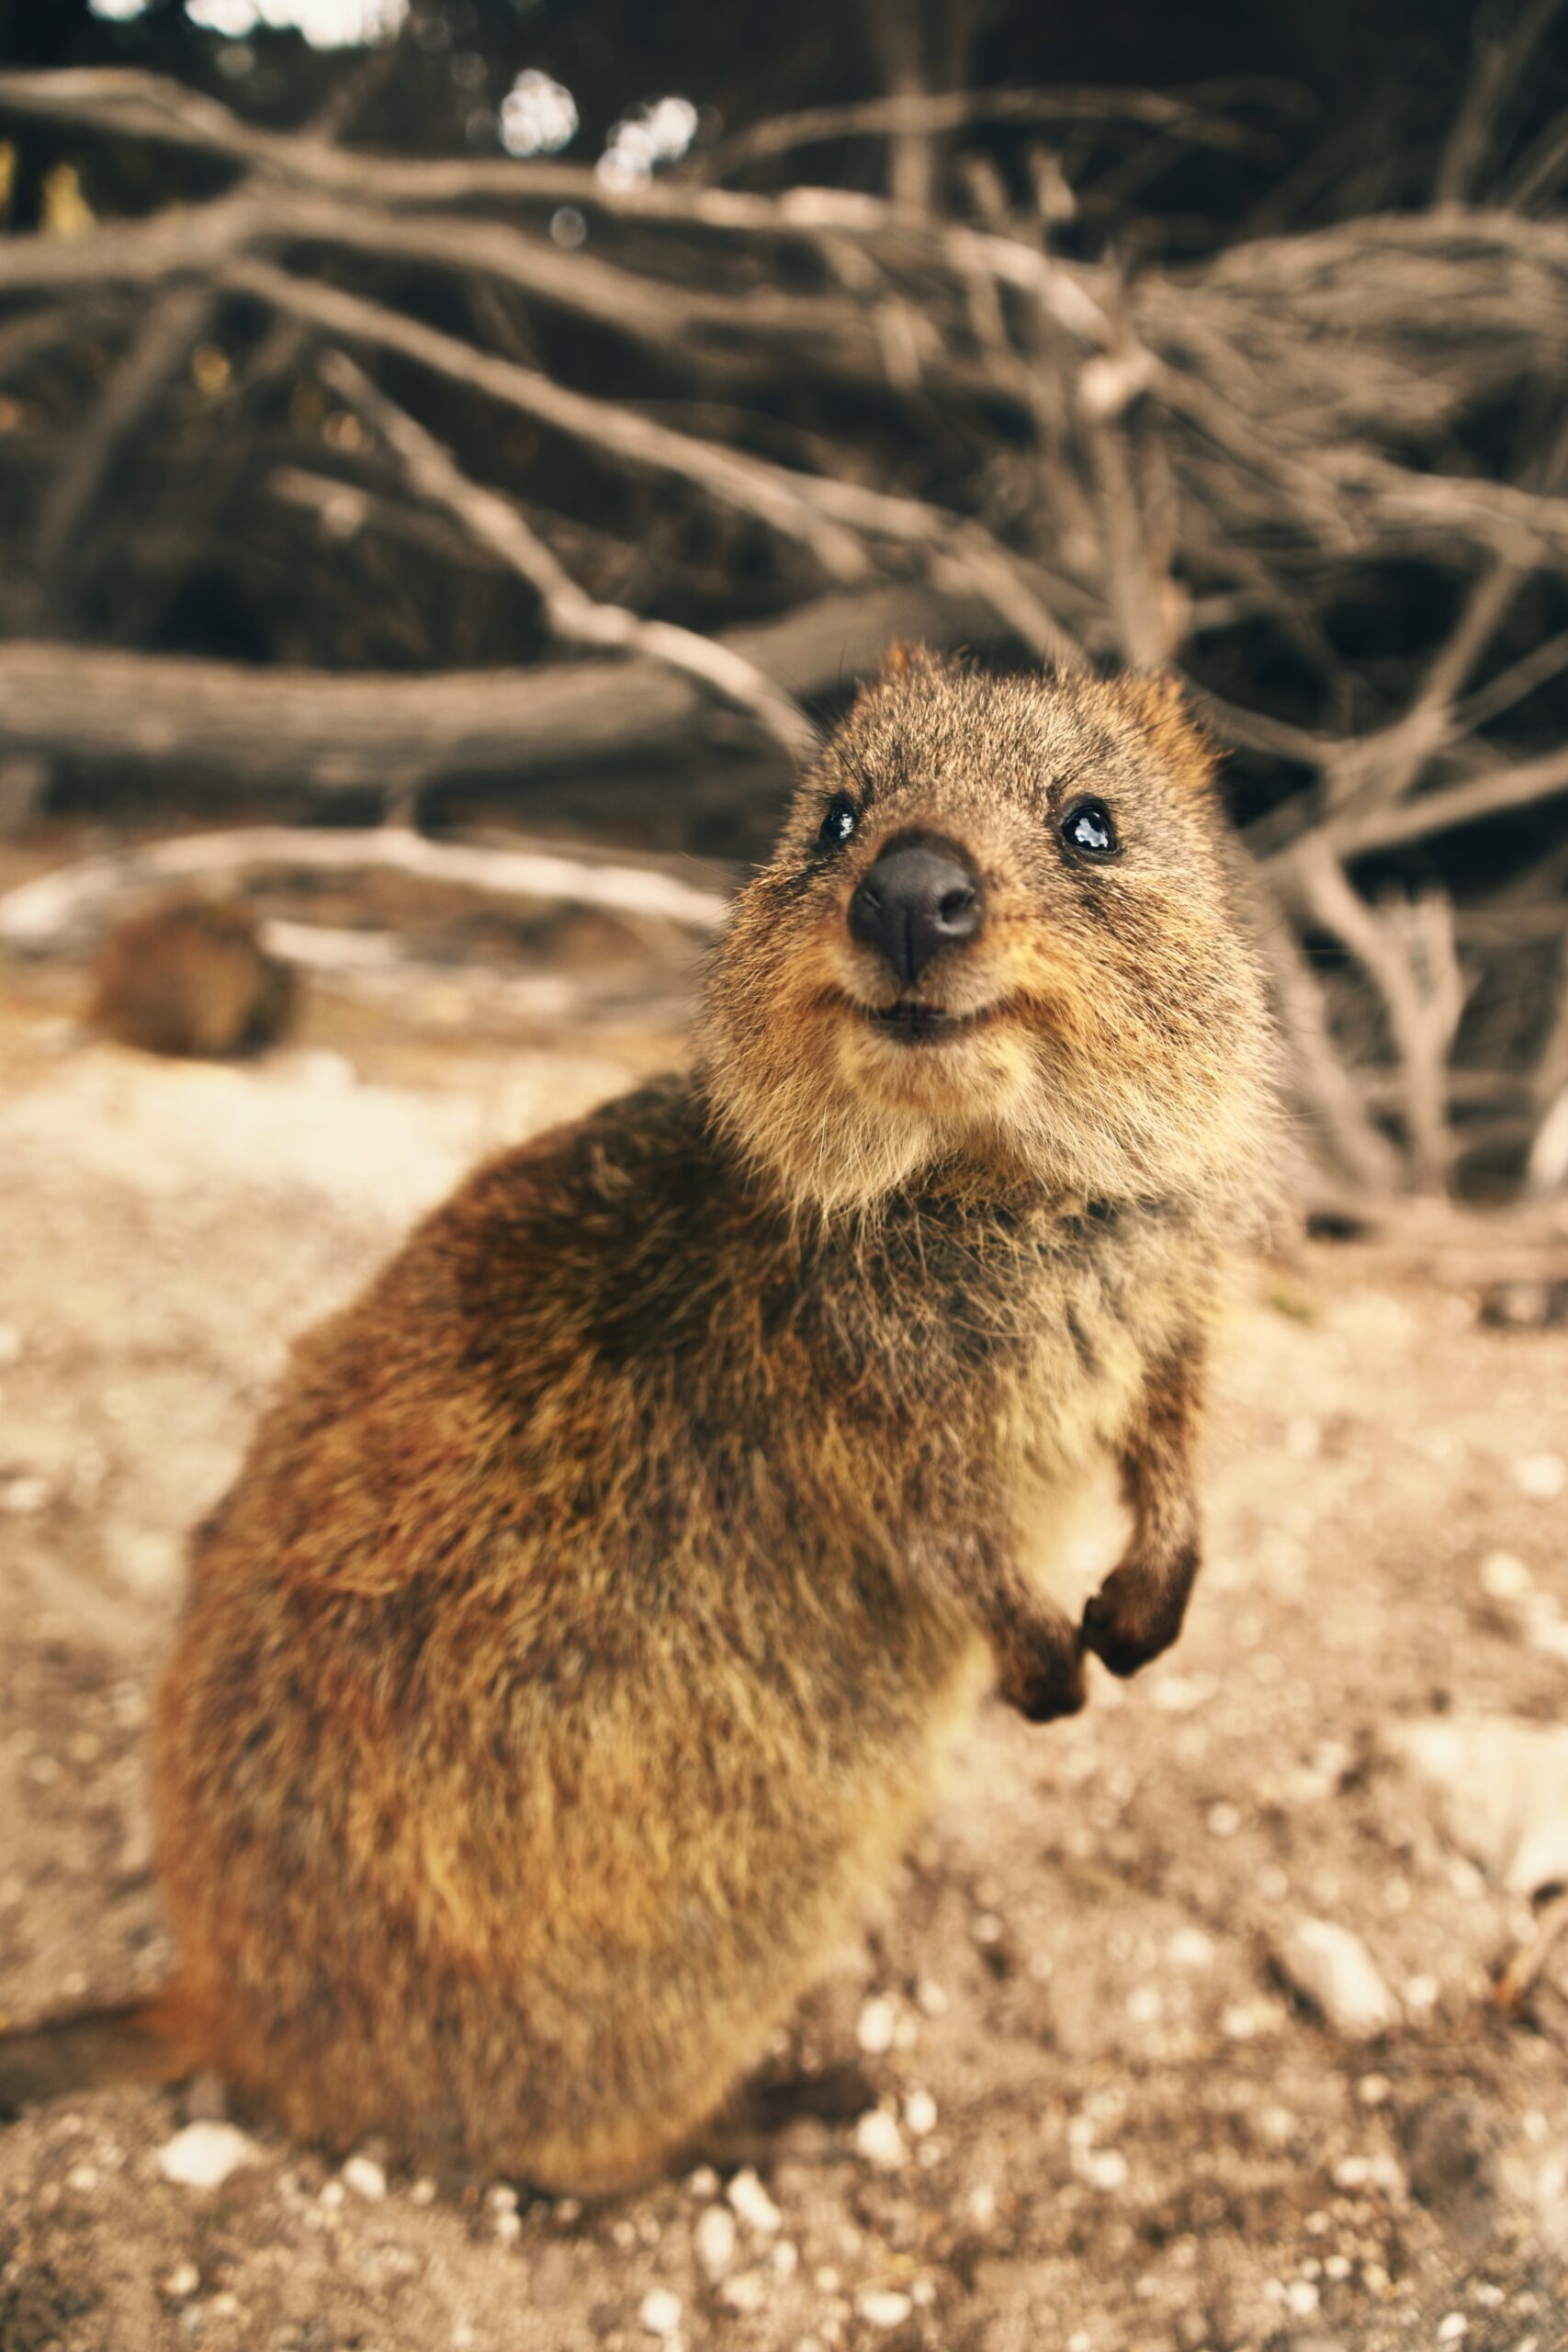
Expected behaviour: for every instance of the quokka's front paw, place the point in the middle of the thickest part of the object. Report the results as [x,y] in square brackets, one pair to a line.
[1044,1683]
[1136,1614]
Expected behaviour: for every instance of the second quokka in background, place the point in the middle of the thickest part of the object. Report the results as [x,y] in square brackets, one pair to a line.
[584,1633]
[191,977]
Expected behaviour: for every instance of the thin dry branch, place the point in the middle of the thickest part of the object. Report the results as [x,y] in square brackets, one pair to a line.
[914,112]
[74,900]
[830,515]
[1499,788]
[570,612]
[1324,1085]
[1500,62]
[1407,953]
[162,346]
[604,425]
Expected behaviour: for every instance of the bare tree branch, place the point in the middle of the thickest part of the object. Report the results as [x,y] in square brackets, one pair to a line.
[327,733]
[570,612]
[1407,951]
[760,490]
[74,900]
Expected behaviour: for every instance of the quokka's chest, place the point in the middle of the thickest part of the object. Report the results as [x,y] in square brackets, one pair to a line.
[997,1340]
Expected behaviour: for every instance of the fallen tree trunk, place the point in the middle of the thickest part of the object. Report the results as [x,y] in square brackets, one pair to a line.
[333,732]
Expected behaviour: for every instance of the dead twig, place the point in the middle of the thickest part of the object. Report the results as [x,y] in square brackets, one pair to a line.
[74,901]
[570,612]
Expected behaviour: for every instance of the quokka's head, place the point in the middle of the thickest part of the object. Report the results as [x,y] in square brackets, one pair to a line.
[993,947]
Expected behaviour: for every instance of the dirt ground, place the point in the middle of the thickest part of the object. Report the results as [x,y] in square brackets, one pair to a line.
[1110,2119]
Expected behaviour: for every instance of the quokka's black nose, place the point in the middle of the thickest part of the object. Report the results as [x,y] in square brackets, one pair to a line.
[918,898]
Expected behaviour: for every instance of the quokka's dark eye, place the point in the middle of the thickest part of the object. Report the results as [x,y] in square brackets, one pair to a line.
[1086,827]
[839,821]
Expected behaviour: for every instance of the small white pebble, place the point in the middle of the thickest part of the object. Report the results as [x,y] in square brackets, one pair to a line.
[747,2292]
[24,1496]
[204,2155]
[704,2182]
[930,1998]
[1542,1476]
[1336,2266]
[660,2312]
[923,2292]
[1080,2340]
[1239,2023]
[508,2228]
[829,2280]
[1421,1995]
[919,2114]
[1503,1577]
[332,2195]
[422,2193]
[10,1345]
[988,1929]
[1222,1820]
[83,2177]
[713,2240]
[786,2259]
[1453,2329]
[1332,1968]
[1301,2299]
[753,2204]
[884,2307]
[1190,1948]
[1104,2168]
[367,2179]
[1145,2005]
[568,2210]
[500,2196]
[624,2233]
[879,2140]
[1372,2090]
[983,2206]
[877,2025]
[182,2281]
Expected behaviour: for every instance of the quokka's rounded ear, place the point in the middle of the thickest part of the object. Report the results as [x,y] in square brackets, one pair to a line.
[1157,700]
[902,660]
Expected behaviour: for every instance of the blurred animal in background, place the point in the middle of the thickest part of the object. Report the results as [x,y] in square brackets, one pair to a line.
[585,1632]
[192,978]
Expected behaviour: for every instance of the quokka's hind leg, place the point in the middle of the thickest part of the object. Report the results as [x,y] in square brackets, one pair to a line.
[602,2158]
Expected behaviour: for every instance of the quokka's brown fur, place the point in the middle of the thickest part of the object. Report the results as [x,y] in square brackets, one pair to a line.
[583,1637]
[190,978]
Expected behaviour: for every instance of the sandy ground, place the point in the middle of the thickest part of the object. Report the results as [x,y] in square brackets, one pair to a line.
[1109,2119]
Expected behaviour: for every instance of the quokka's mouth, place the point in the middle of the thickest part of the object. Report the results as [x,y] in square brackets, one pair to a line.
[913,1021]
